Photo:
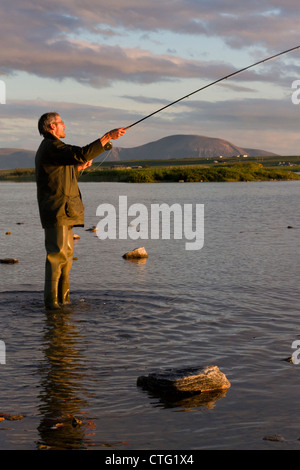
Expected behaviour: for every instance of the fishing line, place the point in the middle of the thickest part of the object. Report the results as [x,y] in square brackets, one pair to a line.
[108,148]
[201,89]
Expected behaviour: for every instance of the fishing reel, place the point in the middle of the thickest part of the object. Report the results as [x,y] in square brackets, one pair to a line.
[108,146]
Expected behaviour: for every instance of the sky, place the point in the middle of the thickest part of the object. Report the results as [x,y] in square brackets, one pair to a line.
[106,64]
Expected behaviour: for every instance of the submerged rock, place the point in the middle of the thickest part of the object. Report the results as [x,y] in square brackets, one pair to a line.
[92,229]
[289,359]
[274,438]
[136,253]
[185,381]
[9,417]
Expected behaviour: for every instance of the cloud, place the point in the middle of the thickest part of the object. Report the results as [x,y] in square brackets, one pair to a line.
[99,64]
[68,39]
[18,121]
[254,122]
[121,43]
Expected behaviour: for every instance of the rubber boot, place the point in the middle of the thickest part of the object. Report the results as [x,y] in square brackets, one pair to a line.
[63,285]
[64,292]
[51,295]
[59,247]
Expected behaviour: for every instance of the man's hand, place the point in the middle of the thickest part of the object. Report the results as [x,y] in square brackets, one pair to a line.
[114,134]
[85,165]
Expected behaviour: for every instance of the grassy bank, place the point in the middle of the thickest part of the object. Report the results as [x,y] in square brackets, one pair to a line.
[18,175]
[266,161]
[185,173]
[192,174]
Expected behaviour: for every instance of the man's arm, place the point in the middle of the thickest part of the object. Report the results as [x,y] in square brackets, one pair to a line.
[114,134]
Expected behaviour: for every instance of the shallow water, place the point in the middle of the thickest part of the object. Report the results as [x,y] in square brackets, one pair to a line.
[234,304]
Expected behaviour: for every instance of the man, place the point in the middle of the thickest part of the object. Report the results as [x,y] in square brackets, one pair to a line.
[59,200]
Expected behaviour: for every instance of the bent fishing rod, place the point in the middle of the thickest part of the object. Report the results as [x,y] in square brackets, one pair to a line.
[201,89]
[214,83]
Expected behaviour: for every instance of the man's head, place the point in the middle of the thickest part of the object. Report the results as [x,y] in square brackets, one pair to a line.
[53,124]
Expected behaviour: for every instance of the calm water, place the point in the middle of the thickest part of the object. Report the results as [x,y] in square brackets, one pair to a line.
[234,304]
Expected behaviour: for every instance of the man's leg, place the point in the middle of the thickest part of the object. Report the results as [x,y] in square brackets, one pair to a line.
[63,285]
[58,250]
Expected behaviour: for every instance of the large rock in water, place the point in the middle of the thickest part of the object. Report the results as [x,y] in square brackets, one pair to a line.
[185,381]
[136,254]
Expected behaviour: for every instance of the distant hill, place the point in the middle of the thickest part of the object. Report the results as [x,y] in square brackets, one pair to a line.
[174,146]
[16,158]
[184,146]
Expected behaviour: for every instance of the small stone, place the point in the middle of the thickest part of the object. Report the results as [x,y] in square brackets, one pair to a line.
[76,237]
[9,260]
[136,253]
[14,417]
[57,426]
[274,438]
[92,229]
[289,359]
[76,422]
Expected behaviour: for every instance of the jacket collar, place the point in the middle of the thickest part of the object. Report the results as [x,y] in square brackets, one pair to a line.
[50,136]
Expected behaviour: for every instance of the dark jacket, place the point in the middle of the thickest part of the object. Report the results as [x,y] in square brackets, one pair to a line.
[58,195]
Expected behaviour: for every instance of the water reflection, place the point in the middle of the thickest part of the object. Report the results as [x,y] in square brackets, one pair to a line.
[140,262]
[205,400]
[139,265]
[62,396]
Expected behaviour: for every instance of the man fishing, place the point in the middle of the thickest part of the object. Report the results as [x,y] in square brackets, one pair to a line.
[59,199]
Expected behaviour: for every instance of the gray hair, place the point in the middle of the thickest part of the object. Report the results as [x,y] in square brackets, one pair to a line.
[45,121]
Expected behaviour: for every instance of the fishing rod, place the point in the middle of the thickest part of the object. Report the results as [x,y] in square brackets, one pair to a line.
[109,145]
[214,83]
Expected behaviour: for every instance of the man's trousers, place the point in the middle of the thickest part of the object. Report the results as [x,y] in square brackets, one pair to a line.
[59,247]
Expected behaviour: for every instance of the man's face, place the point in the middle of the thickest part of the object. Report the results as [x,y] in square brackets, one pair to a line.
[58,128]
